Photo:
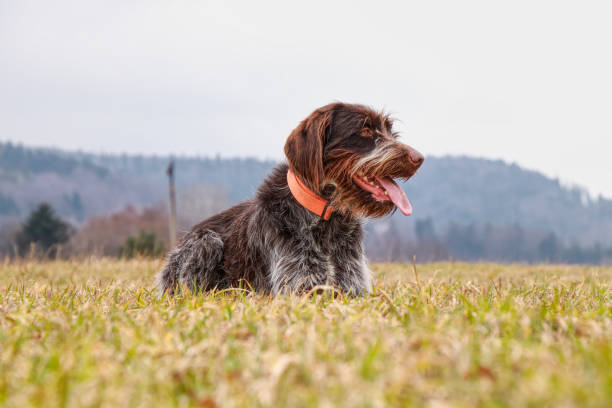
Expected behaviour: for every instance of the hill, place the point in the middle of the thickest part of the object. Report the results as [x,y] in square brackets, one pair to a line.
[448,192]
[473,190]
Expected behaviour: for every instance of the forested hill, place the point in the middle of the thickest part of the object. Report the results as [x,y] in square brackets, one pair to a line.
[472,190]
[460,190]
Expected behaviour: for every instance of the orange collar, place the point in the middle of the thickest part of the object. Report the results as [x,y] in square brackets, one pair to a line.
[307,198]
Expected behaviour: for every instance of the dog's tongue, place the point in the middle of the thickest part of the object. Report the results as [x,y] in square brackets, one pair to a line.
[397,195]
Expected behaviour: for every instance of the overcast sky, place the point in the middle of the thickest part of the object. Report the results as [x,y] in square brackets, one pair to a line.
[526,81]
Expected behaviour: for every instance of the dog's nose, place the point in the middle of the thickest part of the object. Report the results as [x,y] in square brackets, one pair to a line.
[416,158]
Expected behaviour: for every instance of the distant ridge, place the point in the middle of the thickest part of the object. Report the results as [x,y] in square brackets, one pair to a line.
[447,189]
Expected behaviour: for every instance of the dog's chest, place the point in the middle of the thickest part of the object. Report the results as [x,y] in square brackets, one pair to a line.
[312,254]
[330,269]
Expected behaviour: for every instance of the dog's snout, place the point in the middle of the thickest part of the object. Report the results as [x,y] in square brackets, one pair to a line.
[415,157]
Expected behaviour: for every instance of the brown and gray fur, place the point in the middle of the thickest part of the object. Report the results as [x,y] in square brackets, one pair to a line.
[274,245]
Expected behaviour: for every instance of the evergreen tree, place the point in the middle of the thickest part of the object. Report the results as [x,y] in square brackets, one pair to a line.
[43,229]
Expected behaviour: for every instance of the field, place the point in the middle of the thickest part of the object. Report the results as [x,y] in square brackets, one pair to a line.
[94,334]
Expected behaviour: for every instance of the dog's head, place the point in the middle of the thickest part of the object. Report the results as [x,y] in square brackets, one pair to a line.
[350,155]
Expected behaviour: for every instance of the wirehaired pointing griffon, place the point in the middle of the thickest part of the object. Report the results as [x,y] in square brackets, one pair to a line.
[304,226]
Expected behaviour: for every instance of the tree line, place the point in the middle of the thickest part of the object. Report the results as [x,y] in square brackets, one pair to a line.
[467,191]
[480,242]
[132,232]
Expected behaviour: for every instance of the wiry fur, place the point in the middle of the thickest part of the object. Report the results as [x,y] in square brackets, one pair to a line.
[274,245]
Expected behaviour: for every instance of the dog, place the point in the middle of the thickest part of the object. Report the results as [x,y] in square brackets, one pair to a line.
[303,229]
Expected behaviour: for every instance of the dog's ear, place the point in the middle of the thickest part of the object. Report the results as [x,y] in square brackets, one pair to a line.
[304,147]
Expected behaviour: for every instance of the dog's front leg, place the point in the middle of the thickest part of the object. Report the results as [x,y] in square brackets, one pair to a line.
[352,274]
[297,268]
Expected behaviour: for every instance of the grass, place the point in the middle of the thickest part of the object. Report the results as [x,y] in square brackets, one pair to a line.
[94,334]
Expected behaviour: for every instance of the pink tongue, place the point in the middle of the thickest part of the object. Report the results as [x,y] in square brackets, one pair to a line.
[397,195]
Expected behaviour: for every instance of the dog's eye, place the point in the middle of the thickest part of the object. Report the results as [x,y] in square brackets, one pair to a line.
[366,132]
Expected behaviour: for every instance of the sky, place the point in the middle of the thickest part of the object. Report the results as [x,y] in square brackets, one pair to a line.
[529,82]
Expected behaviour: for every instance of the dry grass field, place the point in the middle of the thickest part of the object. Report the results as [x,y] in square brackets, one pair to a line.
[94,334]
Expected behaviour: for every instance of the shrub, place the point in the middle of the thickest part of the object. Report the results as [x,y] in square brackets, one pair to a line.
[144,244]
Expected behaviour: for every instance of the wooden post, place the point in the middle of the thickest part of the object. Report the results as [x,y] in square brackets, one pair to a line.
[172,219]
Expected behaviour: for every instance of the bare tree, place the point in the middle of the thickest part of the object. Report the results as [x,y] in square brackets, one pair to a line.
[172,193]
